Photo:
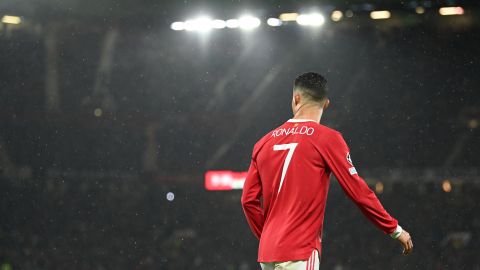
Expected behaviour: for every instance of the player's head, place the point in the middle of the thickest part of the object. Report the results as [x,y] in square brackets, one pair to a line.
[310,89]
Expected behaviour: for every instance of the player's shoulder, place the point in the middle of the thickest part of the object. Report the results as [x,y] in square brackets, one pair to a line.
[262,141]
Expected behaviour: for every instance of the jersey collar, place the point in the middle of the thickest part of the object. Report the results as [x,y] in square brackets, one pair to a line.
[300,120]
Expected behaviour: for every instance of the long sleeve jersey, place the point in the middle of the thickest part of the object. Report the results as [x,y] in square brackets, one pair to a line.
[286,188]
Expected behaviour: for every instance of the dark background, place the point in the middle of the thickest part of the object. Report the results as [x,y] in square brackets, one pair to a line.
[84,172]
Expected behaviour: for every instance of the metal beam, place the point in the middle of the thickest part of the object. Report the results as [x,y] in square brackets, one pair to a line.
[52,94]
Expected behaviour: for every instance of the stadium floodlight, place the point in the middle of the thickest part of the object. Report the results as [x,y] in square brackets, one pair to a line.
[219,24]
[314,19]
[8,19]
[420,10]
[379,187]
[178,26]
[201,24]
[447,11]
[288,17]
[170,196]
[337,15]
[249,22]
[380,14]
[233,23]
[274,22]
[446,185]
[190,25]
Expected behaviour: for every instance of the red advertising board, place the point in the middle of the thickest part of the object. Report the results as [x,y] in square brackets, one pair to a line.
[224,180]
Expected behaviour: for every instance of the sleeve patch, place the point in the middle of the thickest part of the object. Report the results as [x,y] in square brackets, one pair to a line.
[349,159]
[352,170]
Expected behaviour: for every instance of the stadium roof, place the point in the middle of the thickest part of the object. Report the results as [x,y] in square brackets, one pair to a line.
[148,11]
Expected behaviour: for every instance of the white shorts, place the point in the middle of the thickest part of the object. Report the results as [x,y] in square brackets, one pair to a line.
[313,263]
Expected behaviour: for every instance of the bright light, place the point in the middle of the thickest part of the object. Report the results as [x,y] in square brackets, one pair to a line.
[451,11]
[288,17]
[224,180]
[446,186]
[11,19]
[170,196]
[337,15]
[314,19]
[233,23]
[219,24]
[274,22]
[201,24]
[190,25]
[98,112]
[379,187]
[473,123]
[178,26]
[249,22]
[380,14]
[420,10]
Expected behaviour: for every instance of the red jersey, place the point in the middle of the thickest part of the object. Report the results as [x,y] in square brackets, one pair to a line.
[290,171]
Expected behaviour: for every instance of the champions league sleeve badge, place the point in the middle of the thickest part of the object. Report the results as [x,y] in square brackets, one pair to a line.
[349,159]
[352,169]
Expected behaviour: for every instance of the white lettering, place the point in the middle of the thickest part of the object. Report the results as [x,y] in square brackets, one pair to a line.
[304,130]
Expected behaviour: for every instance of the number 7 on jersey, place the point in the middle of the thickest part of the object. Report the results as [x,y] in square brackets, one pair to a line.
[282,147]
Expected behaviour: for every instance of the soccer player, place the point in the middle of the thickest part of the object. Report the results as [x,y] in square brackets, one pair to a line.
[290,171]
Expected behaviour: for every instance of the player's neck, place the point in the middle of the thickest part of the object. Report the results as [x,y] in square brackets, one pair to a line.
[309,113]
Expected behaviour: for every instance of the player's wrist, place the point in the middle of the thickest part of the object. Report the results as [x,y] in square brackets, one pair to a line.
[398,231]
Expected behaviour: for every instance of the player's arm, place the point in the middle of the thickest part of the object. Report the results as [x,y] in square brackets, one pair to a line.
[252,191]
[337,155]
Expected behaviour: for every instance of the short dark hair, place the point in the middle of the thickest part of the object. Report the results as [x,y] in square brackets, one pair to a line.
[313,85]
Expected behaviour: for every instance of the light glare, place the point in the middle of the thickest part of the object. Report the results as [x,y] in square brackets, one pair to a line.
[219,24]
[314,19]
[446,186]
[178,26]
[190,25]
[288,17]
[248,22]
[11,19]
[379,187]
[274,22]
[380,14]
[337,15]
[98,112]
[233,23]
[202,24]
[447,11]
[420,10]
[170,196]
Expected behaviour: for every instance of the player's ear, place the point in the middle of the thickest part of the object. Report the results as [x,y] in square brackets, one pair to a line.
[296,98]
[327,103]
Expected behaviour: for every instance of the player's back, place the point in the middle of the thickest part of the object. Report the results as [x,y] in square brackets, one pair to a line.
[294,180]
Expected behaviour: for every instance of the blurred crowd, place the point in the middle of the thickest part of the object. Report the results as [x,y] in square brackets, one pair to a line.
[128,223]
[401,98]
[84,172]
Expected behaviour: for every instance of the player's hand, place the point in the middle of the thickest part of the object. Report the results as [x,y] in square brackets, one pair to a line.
[406,242]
